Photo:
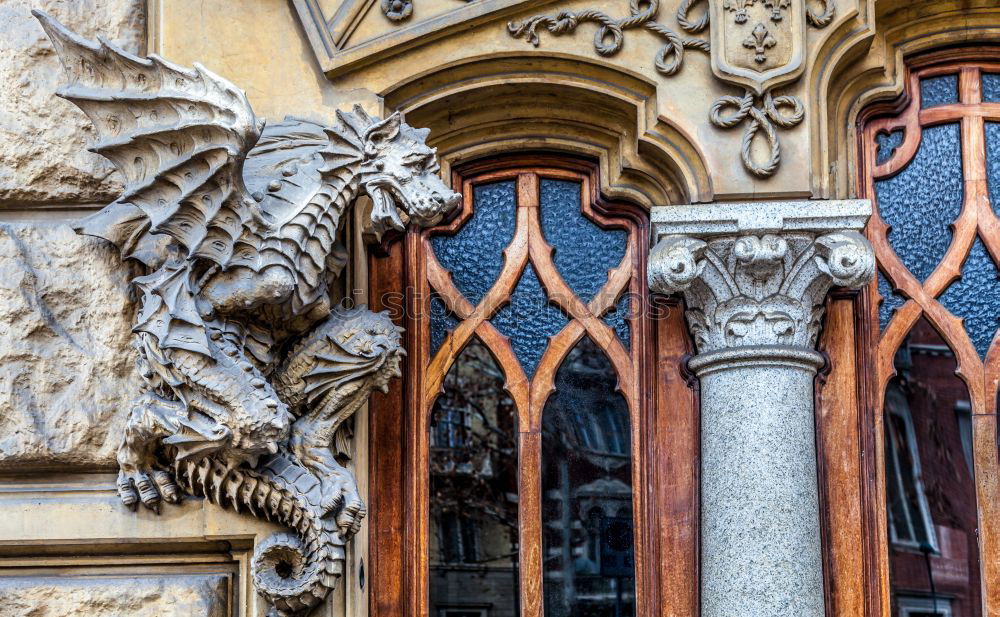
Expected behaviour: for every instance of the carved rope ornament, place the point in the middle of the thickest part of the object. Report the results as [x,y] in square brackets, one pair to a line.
[770,53]
[251,376]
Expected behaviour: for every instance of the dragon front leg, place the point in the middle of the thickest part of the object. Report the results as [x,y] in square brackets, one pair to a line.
[310,444]
[151,419]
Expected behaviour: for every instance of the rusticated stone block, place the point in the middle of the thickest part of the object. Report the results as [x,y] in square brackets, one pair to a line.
[43,139]
[67,374]
[142,596]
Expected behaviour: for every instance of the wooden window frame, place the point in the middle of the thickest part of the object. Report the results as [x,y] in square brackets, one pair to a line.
[665,426]
[850,396]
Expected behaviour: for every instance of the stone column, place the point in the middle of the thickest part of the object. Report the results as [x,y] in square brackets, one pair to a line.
[754,277]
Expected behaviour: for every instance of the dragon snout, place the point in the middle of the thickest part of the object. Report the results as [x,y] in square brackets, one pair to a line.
[449,200]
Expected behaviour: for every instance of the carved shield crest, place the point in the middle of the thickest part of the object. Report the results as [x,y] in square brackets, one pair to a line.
[758,44]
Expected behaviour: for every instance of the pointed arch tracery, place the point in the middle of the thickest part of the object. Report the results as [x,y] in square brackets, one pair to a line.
[931,165]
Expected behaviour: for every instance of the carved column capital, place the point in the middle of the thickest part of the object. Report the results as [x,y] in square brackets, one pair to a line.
[757,274]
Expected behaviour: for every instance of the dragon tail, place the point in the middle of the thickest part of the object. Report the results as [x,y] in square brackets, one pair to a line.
[294,571]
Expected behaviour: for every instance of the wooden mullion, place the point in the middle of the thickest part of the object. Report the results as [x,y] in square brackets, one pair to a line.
[839,428]
[675,465]
[418,421]
[530,522]
[386,446]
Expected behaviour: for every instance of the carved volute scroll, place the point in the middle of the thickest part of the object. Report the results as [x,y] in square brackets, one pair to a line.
[757,45]
[251,374]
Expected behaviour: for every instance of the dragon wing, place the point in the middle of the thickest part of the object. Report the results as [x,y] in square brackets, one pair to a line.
[178,136]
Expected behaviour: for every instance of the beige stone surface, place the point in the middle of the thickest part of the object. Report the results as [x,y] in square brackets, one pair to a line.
[67,375]
[378,58]
[136,596]
[43,139]
[256,44]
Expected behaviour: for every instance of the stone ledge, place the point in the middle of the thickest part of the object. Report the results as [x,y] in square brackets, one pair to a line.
[722,218]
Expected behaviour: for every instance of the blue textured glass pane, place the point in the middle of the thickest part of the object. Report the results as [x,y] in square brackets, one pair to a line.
[920,202]
[589,565]
[618,319]
[939,90]
[529,320]
[442,322]
[891,301]
[472,558]
[584,252]
[991,87]
[976,297]
[993,163]
[887,144]
[474,255]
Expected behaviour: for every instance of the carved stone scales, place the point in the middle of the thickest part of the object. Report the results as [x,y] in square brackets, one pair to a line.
[251,376]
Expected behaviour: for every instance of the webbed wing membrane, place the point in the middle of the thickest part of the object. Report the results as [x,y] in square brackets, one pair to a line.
[178,136]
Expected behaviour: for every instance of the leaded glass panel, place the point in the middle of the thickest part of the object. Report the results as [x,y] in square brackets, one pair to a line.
[587,484]
[474,255]
[920,202]
[473,482]
[940,90]
[583,251]
[976,297]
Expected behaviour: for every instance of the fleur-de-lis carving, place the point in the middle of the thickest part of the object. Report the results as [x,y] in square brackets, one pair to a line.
[739,7]
[777,6]
[760,40]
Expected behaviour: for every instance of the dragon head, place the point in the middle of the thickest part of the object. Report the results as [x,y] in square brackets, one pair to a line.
[373,341]
[399,171]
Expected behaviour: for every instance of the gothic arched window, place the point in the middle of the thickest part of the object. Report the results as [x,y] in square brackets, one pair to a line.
[931,165]
[528,470]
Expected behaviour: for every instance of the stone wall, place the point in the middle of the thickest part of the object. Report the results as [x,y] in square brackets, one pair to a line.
[44,140]
[67,371]
[66,366]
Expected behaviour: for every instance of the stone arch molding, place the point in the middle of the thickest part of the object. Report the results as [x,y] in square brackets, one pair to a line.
[251,375]
[510,103]
[863,62]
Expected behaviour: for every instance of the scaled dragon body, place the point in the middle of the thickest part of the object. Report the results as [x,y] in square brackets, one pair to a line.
[250,372]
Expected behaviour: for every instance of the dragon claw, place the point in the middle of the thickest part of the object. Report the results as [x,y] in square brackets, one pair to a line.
[168,488]
[350,518]
[150,487]
[126,492]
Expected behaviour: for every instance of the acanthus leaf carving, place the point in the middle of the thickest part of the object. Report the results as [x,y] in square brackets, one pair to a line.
[251,375]
[768,289]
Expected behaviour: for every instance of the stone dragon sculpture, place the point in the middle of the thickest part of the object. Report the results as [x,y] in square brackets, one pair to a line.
[251,375]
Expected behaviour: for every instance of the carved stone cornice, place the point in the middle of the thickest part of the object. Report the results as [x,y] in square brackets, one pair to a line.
[757,274]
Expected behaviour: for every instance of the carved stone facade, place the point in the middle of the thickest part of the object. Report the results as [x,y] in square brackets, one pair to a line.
[186,358]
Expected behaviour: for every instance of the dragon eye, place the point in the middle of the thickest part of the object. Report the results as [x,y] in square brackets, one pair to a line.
[419,160]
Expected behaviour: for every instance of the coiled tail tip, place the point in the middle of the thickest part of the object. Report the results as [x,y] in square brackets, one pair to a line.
[287,576]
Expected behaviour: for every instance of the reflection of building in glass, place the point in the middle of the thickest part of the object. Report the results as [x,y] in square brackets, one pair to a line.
[587,491]
[473,534]
[930,495]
